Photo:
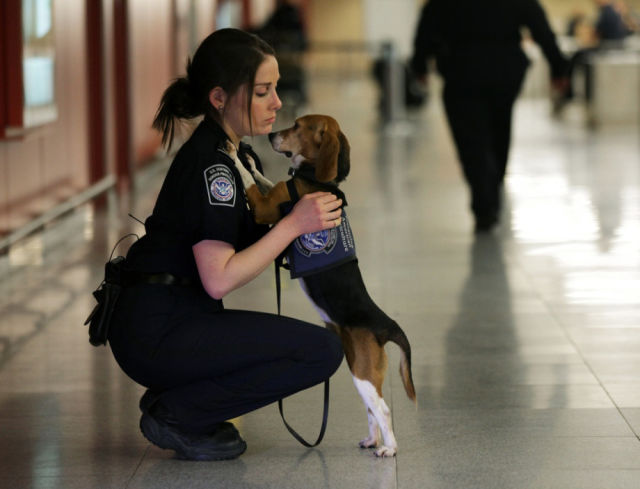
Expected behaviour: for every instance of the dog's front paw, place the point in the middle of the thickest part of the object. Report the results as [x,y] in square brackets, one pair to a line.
[385,451]
[369,442]
[230,149]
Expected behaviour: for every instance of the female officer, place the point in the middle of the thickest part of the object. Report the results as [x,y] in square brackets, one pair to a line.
[203,364]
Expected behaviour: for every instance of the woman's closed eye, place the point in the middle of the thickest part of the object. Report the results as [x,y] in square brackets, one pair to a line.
[263,89]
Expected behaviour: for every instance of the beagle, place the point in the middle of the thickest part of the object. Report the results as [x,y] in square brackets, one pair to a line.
[319,152]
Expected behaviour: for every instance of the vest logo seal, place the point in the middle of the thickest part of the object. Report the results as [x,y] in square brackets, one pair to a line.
[316,252]
[319,242]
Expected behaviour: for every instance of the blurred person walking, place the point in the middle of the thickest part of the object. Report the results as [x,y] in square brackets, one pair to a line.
[478,52]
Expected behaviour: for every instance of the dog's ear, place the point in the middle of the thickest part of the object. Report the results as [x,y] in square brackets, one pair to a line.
[327,159]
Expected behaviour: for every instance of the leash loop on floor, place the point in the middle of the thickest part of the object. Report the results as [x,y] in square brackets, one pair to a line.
[325,416]
[325,413]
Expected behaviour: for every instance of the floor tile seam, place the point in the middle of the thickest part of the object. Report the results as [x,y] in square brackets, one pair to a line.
[137,467]
[41,324]
[463,410]
[49,251]
[547,438]
[50,282]
[44,319]
[558,321]
[608,437]
[592,370]
[588,365]
[491,386]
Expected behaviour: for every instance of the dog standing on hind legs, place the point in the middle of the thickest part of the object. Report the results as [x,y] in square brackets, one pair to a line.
[319,152]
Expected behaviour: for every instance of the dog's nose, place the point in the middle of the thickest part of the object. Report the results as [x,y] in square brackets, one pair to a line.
[271,136]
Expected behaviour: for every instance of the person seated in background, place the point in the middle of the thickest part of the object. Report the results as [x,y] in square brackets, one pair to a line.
[610,26]
[629,17]
[609,32]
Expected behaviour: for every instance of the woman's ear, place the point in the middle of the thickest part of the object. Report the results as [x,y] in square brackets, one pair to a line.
[218,98]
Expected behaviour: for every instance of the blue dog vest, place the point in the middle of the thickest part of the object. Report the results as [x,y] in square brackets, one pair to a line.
[315,252]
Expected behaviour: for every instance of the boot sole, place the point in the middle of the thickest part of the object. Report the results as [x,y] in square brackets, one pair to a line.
[165,438]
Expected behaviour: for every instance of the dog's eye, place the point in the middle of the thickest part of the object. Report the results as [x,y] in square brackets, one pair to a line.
[296,125]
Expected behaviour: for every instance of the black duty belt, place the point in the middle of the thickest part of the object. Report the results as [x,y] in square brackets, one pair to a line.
[135,278]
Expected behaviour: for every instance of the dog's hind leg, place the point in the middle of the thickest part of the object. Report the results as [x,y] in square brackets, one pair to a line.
[368,364]
[373,440]
[379,417]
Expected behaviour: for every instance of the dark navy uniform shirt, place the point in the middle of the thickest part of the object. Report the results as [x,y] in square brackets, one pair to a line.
[202,198]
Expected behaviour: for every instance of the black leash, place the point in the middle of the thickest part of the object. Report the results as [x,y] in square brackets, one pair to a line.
[325,414]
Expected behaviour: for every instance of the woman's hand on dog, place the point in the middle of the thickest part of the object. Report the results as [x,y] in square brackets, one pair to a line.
[223,270]
[315,212]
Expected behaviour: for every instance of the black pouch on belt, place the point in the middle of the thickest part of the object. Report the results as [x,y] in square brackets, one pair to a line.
[107,296]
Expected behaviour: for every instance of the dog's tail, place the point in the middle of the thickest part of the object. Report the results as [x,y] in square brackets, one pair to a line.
[398,337]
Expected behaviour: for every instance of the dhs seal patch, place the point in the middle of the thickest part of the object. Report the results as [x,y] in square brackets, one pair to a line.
[315,252]
[319,242]
[221,185]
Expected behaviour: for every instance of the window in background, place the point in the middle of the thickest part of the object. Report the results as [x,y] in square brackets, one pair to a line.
[38,62]
[229,14]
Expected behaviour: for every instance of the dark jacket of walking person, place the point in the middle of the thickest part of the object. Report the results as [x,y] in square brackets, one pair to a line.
[478,52]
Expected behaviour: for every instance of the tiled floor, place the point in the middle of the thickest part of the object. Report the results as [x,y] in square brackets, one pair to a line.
[526,343]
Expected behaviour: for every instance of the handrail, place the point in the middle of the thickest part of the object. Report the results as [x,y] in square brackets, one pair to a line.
[49,215]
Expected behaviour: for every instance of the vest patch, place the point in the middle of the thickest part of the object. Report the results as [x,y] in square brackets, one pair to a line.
[322,250]
[221,185]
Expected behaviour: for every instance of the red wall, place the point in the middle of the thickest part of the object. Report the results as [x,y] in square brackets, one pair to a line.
[150,70]
[49,162]
[44,166]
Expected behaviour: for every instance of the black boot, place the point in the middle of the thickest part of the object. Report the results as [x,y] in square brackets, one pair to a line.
[160,427]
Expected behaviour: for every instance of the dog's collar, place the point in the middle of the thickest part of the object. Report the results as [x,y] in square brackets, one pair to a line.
[306,172]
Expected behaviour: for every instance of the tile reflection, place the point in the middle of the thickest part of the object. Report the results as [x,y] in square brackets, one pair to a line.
[588,230]
[482,329]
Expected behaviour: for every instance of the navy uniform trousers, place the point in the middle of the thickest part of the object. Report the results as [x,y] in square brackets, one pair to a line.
[209,365]
[480,123]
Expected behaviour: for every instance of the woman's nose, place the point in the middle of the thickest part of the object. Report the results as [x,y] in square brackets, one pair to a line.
[277,103]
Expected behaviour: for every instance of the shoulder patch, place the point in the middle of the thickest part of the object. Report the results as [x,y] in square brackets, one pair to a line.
[221,185]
